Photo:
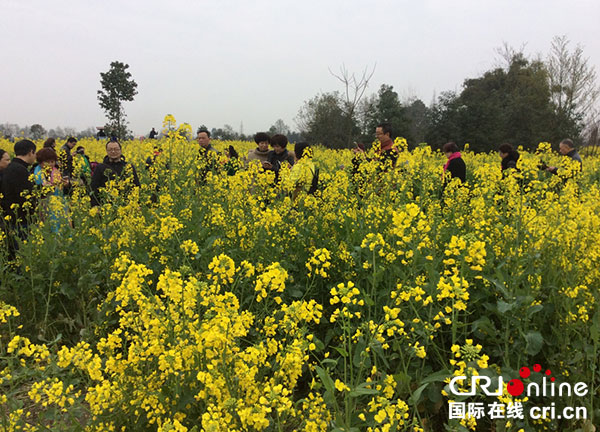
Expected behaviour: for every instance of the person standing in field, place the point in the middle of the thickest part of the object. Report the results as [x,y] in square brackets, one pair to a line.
[455,166]
[509,157]
[47,175]
[66,158]
[232,165]
[50,142]
[567,149]
[4,161]
[207,156]
[18,201]
[388,153]
[82,166]
[279,154]
[304,171]
[152,134]
[203,138]
[113,167]
[261,152]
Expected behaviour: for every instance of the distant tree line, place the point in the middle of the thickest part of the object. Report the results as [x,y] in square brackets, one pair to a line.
[522,101]
[37,131]
[279,127]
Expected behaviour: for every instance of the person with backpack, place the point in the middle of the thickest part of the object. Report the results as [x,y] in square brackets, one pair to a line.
[304,176]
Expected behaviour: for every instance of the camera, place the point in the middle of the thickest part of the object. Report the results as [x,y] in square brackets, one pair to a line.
[542,166]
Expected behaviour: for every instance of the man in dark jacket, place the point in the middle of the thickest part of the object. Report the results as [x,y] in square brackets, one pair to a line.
[208,156]
[17,188]
[66,158]
[112,167]
[567,148]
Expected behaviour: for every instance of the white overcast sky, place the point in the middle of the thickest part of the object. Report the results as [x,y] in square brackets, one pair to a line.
[232,61]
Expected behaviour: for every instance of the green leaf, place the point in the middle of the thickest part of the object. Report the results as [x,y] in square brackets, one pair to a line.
[342,351]
[329,361]
[438,376]
[414,398]
[504,307]
[362,390]
[296,293]
[434,393]
[325,379]
[534,309]
[534,341]
[594,330]
[359,352]
[484,325]
[402,378]
[499,285]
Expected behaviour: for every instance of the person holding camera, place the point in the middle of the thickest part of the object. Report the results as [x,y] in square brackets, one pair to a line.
[47,175]
[566,148]
[278,155]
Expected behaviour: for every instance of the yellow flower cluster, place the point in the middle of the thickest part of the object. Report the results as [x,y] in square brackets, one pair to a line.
[319,263]
[271,280]
[7,311]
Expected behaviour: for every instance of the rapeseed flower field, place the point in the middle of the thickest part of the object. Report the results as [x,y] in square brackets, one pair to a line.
[203,301]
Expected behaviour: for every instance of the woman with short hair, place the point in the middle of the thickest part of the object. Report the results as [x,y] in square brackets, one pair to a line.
[455,166]
[4,161]
[46,174]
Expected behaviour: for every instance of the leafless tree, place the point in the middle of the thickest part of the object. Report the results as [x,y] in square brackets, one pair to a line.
[506,54]
[354,90]
[572,81]
[591,133]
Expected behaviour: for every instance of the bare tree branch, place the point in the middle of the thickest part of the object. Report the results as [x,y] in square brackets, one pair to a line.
[354,89]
